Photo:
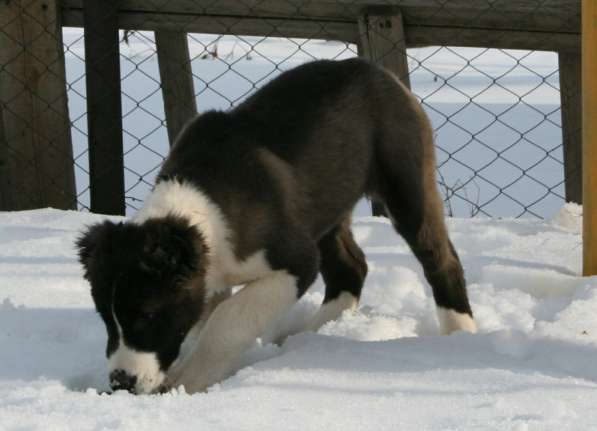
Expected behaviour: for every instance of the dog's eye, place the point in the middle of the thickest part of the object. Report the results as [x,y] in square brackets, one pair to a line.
[144,320]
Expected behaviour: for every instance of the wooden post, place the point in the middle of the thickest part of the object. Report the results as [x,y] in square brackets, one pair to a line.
[589,83]
[7,158]
[5,192]
[36,151]
[177,80]
[104,111]
[570,96]
[382,40]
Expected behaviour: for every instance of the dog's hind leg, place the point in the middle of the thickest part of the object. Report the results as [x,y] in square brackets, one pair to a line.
[407,185]
[343,268]
[418,217]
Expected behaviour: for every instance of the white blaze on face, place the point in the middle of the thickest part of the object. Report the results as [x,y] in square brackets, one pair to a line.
[142,365]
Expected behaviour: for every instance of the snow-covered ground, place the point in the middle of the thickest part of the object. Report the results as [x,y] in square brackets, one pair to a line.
[533,366]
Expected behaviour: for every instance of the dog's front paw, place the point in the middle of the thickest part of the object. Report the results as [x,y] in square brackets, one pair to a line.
[169,383]
[164,388]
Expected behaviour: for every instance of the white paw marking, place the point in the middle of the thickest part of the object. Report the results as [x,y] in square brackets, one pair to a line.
[451,321]
[333,309]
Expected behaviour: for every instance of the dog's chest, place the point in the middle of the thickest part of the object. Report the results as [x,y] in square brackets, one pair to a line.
[224,269]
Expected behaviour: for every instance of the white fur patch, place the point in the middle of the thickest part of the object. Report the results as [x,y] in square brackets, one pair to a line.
[332,310]
[142,365]
[232,327]
[451,321]
[185,200]
[190,341]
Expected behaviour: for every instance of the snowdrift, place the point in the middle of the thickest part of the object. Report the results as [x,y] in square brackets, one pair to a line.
[532,366]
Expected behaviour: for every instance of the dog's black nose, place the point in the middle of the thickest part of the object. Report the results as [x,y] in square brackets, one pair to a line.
[120,379]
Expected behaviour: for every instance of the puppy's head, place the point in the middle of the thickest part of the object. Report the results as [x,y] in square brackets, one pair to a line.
[147,285]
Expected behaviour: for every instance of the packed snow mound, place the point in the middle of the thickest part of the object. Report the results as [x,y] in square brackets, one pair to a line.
[533,364]
[569,217]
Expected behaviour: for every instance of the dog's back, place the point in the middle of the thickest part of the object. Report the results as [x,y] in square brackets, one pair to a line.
[298,154]
[311,143]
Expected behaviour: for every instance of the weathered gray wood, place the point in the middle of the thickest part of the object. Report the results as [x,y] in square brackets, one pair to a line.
[417,36]
[37,151]
[177,80]
[383,42]
[422,27]
[247,26]
[5,184]
[558,16]
[104,111]
[571,101]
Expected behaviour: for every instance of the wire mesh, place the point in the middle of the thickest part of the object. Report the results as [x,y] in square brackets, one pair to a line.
[496,112]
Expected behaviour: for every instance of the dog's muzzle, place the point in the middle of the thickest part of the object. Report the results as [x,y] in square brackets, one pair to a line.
[121,380]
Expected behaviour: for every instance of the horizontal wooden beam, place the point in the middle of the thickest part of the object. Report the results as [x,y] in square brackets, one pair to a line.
[246,26]
[416,35]
[491,38]
[553,16]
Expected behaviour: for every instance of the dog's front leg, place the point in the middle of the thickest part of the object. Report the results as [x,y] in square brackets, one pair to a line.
[233,326]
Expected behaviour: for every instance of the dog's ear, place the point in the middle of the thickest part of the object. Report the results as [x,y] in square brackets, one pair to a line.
[90,240]
[171,247]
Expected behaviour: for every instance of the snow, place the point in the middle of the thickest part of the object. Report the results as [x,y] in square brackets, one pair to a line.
[530,367]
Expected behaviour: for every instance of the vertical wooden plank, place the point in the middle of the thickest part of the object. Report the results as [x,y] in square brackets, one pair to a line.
[589,83]
[5,186]
[570,96]
[104,110]
[177,80]
[382,41]
[38,168]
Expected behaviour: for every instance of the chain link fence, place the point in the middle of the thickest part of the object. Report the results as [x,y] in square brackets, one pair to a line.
[496,112]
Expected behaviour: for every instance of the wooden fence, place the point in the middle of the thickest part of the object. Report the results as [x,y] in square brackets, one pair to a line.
[382,29]
[589,117]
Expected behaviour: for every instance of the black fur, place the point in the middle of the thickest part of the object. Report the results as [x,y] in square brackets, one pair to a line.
[142,272]
[343,265]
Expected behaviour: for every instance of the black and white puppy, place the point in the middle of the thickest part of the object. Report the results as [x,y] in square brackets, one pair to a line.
[261,196]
